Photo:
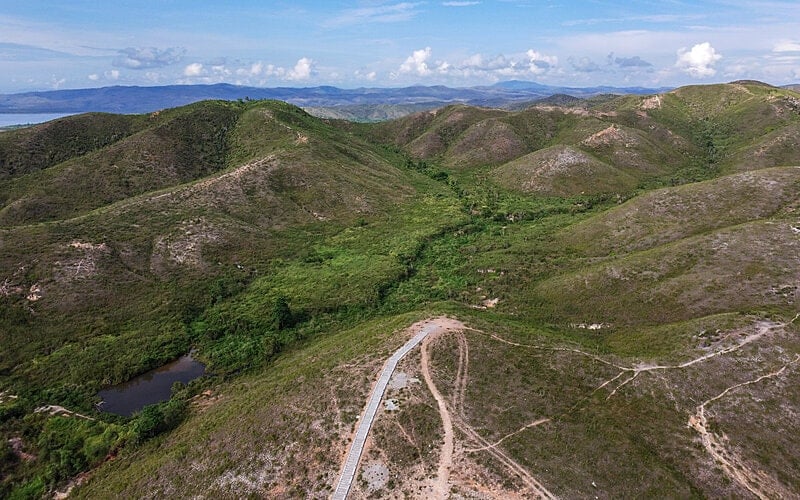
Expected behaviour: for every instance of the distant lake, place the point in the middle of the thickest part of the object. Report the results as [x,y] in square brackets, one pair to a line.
[149,388]
[8,119]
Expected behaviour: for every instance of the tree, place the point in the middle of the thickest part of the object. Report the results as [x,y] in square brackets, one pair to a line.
[281,313]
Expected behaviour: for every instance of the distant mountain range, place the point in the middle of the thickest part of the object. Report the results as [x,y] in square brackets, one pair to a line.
[123,99]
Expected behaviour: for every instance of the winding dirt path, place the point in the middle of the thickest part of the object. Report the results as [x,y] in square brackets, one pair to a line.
[757,482]
[460,420]
[441,487]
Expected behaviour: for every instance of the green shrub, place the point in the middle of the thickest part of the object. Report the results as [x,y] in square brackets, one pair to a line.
[158,418]
[33,489]
[69,445]
[11,410]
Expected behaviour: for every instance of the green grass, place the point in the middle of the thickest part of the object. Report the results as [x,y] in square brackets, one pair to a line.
[26,150]
[174,148]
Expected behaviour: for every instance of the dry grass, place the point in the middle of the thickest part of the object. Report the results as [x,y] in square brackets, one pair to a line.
[666,215]
[562,171]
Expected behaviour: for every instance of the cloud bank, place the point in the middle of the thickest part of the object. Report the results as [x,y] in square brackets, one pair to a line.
[528,64]
[630,62]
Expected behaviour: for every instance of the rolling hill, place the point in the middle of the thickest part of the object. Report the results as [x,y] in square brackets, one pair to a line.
[625,270]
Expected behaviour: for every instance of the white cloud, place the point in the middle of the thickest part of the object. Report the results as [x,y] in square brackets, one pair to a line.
[699,61]
[459,4]
[192,70]
[478,67]
[271,70]
[108,75]
[260,72]
[538,63]
[737,70]
[391,13]
[786,46]
[417,62]
[584,65]
[365,75]
[302,70]
[148,57]
[256,68]
[475,60]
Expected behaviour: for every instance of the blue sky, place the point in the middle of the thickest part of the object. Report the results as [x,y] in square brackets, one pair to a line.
[77,44]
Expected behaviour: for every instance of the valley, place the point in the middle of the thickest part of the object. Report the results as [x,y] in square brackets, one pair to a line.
[613,285]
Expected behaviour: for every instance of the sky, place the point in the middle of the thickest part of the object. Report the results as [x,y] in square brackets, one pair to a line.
[47,45]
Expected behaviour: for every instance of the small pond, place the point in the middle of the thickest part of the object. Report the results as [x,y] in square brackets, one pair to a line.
[149,388]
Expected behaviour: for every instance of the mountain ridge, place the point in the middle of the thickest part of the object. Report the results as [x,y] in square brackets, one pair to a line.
[142,99]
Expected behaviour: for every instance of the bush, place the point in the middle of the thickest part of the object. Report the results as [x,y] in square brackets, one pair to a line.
[10,411]
[282,314]
[158,418]
[70,445]
[6,454]
[33,489]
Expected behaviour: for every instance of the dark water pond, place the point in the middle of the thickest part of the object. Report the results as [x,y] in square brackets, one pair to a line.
[149,388]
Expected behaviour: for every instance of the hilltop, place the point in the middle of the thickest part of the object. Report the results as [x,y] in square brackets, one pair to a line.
[620,272]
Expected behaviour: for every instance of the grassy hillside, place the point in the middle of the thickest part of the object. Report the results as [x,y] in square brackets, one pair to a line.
[35,148]
[665,215]
[168,245]
[626,269]
[173,149]
[562,171]
[690,134]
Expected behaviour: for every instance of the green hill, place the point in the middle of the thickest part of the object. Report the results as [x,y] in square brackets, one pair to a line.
[562,171]
[690,134]
[152,249]
[626,269]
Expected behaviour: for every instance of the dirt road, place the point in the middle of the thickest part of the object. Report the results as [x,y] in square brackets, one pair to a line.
[441,488]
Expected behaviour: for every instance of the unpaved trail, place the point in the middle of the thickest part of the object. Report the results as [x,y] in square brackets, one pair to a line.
[462,375]
[531,482]
[535,423]
[441,487]
[762,328]
[460,421]
[757,482]
[453,416]
[426,332]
